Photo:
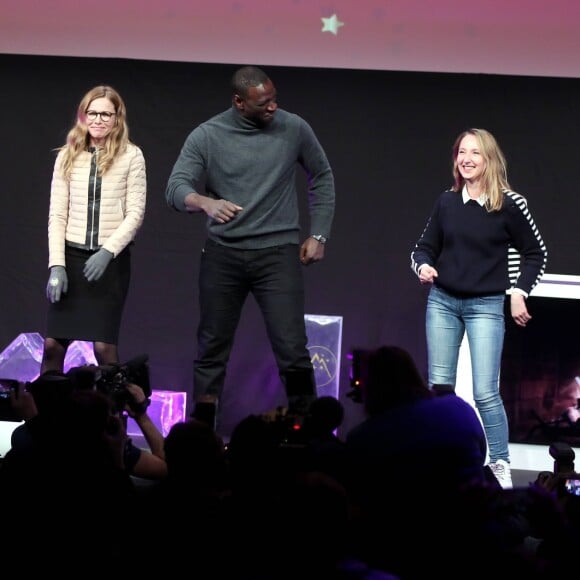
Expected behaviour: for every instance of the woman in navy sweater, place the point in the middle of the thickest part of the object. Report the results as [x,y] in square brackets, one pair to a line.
[463,253]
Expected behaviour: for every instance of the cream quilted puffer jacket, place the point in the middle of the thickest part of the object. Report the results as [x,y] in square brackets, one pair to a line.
[91,217]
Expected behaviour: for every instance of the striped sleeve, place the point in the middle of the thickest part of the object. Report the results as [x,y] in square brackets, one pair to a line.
[514,258]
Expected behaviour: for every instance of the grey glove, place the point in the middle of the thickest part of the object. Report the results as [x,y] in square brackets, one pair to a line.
[57,283]
[96,265]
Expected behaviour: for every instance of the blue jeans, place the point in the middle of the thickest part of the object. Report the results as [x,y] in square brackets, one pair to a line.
[226,277]
[448,318]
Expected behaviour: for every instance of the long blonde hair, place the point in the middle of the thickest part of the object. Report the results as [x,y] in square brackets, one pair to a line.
[78,138]
[494,182]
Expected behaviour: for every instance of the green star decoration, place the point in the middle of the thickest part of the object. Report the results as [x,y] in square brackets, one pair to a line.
[331,24]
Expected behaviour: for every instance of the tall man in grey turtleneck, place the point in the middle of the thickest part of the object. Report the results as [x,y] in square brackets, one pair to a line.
[245,159]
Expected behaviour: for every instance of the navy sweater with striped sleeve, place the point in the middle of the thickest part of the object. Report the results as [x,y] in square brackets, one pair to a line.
[469,246]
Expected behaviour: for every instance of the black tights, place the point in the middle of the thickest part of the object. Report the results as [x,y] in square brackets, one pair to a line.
[55,351]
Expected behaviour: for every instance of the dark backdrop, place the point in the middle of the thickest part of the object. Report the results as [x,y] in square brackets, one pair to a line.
[388,136]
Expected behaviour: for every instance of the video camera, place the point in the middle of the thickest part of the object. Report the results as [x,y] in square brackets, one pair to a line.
[112,380]
[568,480]
[563,456]
[287,422]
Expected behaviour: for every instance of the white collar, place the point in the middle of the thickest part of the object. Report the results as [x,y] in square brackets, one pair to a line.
[465,196]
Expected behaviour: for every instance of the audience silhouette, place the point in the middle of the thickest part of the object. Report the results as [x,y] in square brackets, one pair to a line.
[279,501]
[68,487]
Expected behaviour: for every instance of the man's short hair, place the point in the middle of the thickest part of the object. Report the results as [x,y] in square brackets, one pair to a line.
[247,77]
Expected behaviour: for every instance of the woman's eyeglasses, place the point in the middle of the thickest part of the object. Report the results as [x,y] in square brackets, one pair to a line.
[106,116]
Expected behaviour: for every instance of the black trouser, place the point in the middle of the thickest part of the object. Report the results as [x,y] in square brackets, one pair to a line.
[226,277]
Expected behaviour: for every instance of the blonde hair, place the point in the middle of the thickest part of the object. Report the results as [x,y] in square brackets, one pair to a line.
[494,182]
[78,138]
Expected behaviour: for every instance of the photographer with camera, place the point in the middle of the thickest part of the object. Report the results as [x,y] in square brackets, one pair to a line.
[67,466]
[33,405]
[128,399]
[40,403]
[16,403]
[557,532]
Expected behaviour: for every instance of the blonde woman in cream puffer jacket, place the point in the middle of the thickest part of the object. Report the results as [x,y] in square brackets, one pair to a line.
[97,205]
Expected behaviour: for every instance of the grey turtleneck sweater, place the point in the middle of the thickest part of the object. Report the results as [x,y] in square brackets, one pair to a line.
[255,167]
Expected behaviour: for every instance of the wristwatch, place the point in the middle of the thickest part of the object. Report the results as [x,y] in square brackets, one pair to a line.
[320,239]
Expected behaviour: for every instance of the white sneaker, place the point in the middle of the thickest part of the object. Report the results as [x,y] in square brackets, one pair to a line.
[501,470]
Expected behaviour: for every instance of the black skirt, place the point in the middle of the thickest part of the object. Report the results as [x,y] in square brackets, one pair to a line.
[91,311]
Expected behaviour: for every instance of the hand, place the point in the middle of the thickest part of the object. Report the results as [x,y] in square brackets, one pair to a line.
[96,265]
[23,402]
[518,308]
[311,251]
[138,404]
[222,211]
[427,274]
[57,283]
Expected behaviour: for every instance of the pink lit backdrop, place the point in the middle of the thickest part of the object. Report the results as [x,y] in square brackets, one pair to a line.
[518,37]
